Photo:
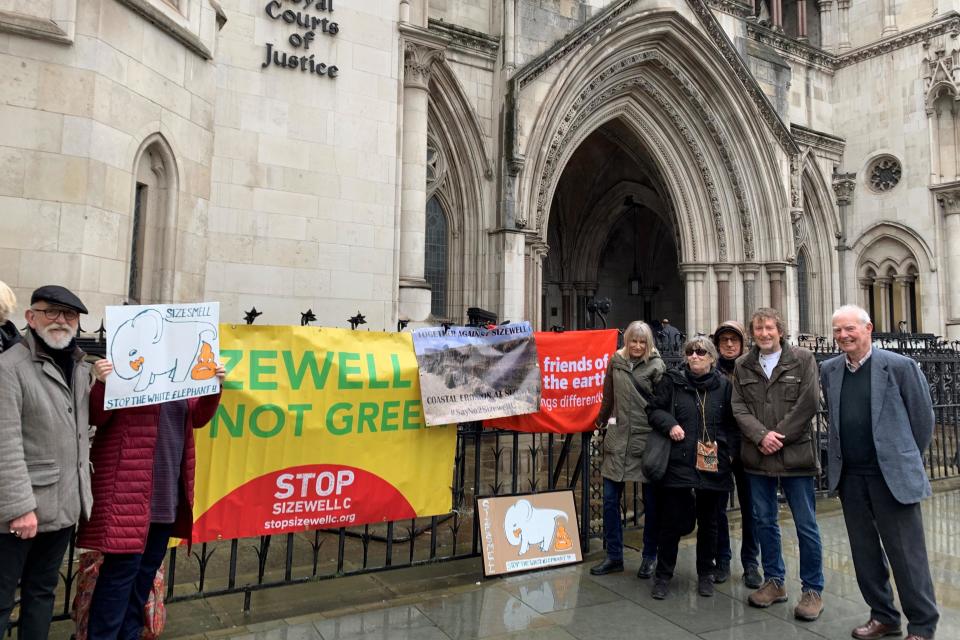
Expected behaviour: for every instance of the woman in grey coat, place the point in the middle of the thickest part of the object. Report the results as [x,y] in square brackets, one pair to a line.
[632,374]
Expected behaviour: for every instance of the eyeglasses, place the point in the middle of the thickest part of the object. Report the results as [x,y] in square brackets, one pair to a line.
[699,351]
[52,314]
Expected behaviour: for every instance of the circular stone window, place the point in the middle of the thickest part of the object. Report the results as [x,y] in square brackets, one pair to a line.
[884,174]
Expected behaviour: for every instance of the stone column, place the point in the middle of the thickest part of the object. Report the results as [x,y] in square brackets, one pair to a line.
[903,300]
[844,185]
[509,37]
[827,27]
[950,201]
[566,306]
[722,271]
[750,303]
[414,290]
[866,284]
[534,253]
[697,306]
[883,306]
[776,272]
[802,20]
[843,26]
[889,17]
[776,14]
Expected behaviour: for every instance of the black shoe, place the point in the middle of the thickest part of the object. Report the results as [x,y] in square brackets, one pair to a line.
[607,566]
[646,568]
[705,585]
[660,589]
[752,577]
[722,573]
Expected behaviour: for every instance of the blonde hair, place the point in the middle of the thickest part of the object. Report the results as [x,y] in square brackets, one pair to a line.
[641,331]
[8,302]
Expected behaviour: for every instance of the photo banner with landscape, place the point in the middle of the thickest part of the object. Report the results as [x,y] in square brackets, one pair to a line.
[573,365]
[474,373]
[318,429]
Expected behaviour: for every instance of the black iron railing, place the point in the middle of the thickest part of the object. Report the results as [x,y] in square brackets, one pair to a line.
[490,462]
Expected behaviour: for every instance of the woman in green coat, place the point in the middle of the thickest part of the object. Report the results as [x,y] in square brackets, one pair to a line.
[632,374]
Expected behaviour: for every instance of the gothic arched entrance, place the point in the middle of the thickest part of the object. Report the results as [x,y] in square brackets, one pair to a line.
[611,235]
[652,117]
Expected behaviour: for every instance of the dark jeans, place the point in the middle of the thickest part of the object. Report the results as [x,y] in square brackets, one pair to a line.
[677,509]
[35,563]
[749,547]
[613,521]
[883,531]
[116,611]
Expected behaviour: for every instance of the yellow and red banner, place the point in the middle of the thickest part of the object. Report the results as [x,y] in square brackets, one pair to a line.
[573,365]
[317,429]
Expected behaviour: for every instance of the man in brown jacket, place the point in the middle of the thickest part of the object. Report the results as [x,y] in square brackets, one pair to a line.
[44,456]
[775,398]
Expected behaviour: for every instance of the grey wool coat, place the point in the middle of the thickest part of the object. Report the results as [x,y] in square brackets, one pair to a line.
[625,441]
[44,438]
[902,418]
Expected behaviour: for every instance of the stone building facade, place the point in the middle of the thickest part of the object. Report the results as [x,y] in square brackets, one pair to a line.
[409,159]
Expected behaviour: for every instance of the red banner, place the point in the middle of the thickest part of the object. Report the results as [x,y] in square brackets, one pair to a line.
[573,365]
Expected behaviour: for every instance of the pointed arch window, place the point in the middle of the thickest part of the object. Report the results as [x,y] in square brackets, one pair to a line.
[436,251]
[803,291]
[153,224]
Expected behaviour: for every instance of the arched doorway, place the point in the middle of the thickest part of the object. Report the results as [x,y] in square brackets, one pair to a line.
[612,235]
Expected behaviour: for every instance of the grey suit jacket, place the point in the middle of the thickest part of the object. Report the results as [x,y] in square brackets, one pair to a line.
[902,417]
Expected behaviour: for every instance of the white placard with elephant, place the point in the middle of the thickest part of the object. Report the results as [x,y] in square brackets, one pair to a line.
[530,531]
[161,352]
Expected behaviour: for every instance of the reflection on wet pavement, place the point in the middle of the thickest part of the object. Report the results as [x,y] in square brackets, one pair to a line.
[567,602]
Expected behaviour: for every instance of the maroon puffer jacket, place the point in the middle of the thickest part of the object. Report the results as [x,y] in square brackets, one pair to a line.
[122,459]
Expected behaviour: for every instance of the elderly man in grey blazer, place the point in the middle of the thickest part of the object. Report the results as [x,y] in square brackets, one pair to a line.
[44,456]
[881,422]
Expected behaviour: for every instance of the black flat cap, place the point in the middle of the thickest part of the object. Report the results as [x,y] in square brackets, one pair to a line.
[55,294]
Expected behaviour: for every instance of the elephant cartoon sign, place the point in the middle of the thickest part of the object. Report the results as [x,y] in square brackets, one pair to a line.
[530,531]
[161,352]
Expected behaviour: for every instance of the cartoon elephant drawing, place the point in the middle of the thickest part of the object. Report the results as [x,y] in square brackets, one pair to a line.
[146,359]
[525,525]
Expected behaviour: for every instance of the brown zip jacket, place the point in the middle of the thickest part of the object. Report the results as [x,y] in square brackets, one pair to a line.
[786,403]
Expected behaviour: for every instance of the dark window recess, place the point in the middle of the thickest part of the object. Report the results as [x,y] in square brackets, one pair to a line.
[803,292]
[136,245]
[435,257]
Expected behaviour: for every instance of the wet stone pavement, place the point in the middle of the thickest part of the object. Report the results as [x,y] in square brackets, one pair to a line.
[569,603]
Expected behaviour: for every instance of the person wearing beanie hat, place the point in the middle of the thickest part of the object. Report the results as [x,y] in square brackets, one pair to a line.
[730,339]
[44,449]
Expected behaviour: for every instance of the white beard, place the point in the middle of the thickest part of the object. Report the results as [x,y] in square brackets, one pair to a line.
[46,334]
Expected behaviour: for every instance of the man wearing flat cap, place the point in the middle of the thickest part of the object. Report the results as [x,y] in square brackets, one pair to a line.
[44,456]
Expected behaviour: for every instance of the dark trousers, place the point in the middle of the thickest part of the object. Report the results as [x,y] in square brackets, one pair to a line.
[123,586]
[877,523]
[677,510]
[749,547]
[35,564]
[613,520]
[650,532]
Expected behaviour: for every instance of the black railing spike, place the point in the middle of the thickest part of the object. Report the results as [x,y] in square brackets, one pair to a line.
[357,320]
[307,317]
[101,332]
[402,324]
[250,316]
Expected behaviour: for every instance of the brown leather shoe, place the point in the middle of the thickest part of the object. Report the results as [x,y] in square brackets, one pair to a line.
[874,629]
[914,636]
[772,591]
